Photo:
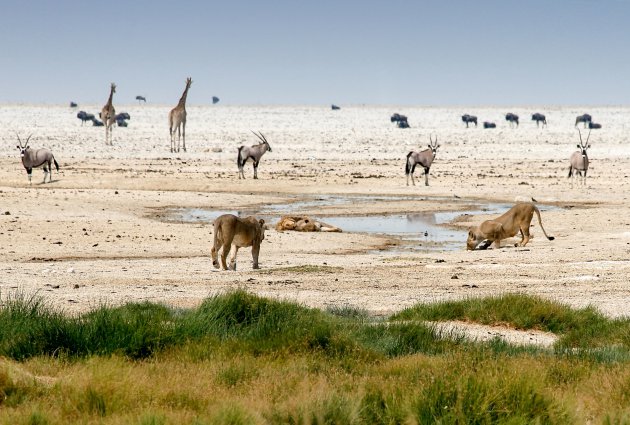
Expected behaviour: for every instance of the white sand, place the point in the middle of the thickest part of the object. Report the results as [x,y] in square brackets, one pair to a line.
[129,252]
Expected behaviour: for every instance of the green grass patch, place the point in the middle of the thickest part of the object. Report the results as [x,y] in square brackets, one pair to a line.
[577,328]
[241,358]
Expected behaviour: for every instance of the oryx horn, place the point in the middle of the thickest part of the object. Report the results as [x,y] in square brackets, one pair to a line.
[260,136]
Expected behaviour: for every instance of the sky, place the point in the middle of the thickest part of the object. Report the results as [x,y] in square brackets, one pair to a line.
[396,52]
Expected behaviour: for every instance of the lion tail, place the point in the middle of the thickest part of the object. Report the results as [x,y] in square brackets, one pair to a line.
[218,236]
[541,225]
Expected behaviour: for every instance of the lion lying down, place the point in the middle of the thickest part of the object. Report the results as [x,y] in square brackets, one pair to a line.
[303,223]
[518,218]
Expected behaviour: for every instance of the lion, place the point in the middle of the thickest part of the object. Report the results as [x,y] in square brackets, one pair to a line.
[516,218]
[231,233]
[303,223]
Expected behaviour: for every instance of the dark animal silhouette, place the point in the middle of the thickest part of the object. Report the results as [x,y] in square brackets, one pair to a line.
[594,126]
[334,107]
[73,104]
[84,116]
[469,119]
[511,118]
[539,118]
[487,124]
[97,123]
[121,119]
[215,100]
[585,118]
[141,99]
[400,120]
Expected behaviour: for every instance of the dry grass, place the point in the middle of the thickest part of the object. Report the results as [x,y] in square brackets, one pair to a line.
[346,370]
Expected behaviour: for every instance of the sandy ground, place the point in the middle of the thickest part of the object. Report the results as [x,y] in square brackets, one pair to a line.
[104,230]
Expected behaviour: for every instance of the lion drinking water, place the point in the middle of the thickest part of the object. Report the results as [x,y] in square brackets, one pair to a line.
[231,233]
[519,217]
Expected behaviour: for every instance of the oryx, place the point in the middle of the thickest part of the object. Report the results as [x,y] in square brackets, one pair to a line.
[254,152]
[424,158]
[579,159]
[36,158]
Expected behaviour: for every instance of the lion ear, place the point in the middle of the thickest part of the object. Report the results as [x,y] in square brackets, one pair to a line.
[262,222]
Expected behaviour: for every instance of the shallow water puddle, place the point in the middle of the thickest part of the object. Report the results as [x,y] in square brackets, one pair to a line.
[425,231]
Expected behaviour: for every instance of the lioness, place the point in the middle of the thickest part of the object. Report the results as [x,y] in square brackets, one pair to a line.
[303,223]
[517,218]
[232,233]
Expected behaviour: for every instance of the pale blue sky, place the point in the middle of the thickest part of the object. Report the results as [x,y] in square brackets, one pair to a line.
[491,52]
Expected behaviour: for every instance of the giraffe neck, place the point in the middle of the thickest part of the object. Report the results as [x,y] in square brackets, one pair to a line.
[111,95]
[182,101]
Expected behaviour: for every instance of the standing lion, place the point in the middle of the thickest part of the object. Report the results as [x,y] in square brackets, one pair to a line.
[231,233]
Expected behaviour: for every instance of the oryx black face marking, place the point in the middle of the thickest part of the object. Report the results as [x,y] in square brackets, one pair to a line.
[254,152]
[424,158]
[579,159]
[33,158]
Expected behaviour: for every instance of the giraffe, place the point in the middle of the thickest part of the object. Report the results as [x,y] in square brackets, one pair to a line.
[177,119]
[108,116]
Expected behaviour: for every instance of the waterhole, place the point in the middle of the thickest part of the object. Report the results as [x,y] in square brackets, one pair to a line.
[418,231]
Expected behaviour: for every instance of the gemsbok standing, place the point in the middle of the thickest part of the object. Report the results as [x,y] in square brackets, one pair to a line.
[424,158]
[254,152]
[36,158]
[579,160]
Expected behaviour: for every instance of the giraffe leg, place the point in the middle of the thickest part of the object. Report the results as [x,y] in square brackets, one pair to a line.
[184,135]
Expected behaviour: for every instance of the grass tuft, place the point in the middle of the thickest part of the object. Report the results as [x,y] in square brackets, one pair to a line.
[240,358]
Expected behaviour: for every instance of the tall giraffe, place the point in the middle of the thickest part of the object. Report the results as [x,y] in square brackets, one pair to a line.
[108,116]
[177,119]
